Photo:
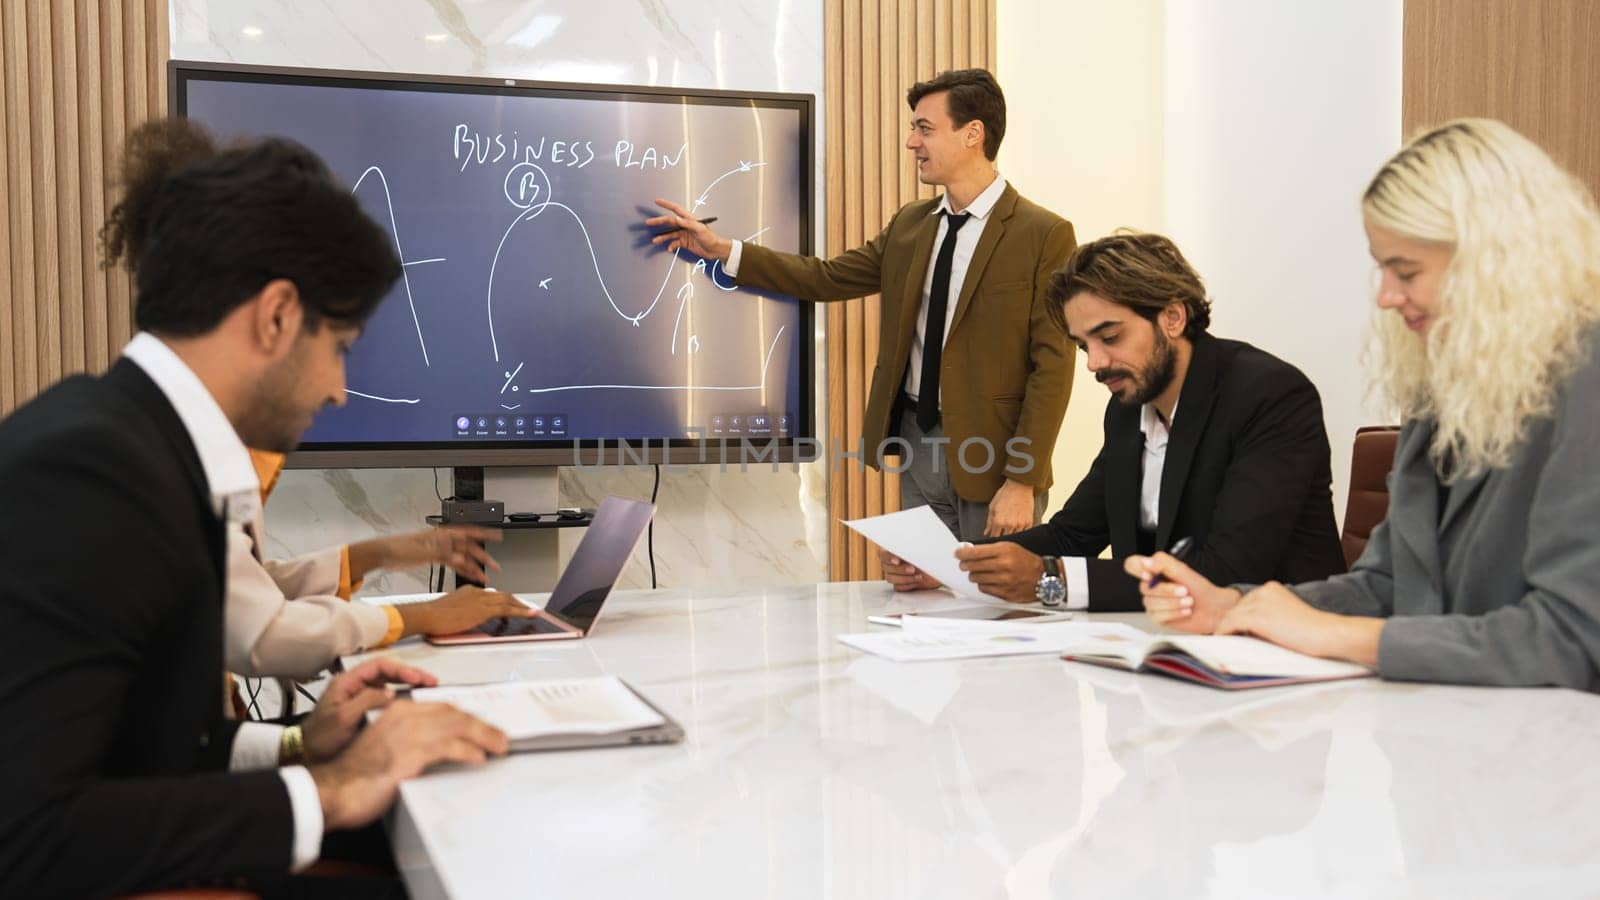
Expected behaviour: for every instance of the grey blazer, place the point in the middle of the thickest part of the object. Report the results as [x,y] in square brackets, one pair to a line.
[1503,587]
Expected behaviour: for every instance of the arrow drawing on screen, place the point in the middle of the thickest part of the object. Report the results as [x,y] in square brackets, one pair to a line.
[394,231]
[743,167]
[685,292]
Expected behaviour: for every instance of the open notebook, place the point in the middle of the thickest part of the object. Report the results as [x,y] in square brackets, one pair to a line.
[561,714]
[1230,662]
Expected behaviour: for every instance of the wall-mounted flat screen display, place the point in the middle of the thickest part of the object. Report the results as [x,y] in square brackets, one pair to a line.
[533,312]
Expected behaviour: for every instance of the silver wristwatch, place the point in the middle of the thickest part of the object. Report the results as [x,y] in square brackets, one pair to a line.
[1051,590]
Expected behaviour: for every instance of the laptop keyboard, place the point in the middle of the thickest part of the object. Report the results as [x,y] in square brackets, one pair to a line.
[500,627]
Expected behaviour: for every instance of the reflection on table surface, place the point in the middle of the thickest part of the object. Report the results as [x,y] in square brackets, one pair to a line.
[811,770]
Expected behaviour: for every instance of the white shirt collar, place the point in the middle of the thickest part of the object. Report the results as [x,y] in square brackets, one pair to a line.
[981,205]
[1150,421]
[230,476]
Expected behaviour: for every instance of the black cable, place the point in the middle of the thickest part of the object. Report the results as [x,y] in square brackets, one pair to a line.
[440,495]
[650,540]
[300,688]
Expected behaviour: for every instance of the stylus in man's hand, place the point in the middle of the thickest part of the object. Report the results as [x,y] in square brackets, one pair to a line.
[706,221]
[1178,552]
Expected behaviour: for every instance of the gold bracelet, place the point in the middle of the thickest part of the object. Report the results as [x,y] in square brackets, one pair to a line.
[292,746]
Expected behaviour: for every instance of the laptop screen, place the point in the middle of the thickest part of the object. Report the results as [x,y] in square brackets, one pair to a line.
[598,561]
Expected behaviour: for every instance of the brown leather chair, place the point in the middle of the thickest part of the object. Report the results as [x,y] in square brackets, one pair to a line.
[1370,462]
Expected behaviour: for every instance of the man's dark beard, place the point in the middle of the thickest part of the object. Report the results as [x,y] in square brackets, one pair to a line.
[1154,376]
[270,421]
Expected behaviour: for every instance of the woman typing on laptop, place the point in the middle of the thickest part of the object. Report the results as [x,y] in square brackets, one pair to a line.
[293,618]
[1488,328]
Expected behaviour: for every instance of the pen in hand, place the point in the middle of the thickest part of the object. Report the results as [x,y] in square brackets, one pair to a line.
[1179,551]
[705,221]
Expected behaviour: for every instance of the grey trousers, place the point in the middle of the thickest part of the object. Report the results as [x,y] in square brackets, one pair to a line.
[925,481]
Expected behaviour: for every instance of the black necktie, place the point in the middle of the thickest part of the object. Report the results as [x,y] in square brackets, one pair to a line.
[933,335]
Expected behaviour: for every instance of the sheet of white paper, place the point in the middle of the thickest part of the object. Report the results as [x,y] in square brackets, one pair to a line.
[917,536]
[524,709]
[921,643]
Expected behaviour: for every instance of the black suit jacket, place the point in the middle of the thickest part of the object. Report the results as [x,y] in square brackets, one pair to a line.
[1246,476]
[114,746]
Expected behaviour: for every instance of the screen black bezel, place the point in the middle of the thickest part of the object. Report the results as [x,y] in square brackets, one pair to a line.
[800,443]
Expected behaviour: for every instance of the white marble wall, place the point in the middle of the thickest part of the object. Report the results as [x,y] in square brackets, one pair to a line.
[713,528]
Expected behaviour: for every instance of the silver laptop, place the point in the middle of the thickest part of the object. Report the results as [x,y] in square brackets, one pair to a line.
[574,607]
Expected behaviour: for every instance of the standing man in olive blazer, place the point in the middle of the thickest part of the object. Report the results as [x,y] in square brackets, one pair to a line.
[976,391]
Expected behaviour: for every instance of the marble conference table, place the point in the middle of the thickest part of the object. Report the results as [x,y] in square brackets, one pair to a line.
[811,770]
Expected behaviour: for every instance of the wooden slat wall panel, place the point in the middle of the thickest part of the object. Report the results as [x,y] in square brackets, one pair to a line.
[872,190]
[875,50]
[833,166]
[114,107]
[907,75]
[884,119]
[20,367]
[985,46]
[70,226]
[855,86]
[8,386]
[159,46]
[46,253]
[92,171]
[1531,63]
[75,75]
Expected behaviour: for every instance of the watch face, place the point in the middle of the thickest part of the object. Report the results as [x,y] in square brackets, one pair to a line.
[1051,591]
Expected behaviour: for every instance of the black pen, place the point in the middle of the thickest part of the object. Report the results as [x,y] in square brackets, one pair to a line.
[706,221]
[1180,549]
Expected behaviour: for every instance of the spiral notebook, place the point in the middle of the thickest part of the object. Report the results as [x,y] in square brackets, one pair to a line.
[561,714]
[1229,662]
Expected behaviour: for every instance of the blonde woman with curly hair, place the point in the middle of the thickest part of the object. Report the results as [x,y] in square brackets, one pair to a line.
[1487,334]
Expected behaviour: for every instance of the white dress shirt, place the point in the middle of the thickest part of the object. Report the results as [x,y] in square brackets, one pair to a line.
[966,245]
[1153,463]
[1156,433]
[236,497]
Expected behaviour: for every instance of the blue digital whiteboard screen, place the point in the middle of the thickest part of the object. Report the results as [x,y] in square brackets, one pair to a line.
[534,316]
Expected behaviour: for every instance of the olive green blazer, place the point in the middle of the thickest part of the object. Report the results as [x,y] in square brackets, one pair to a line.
[1007,368]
